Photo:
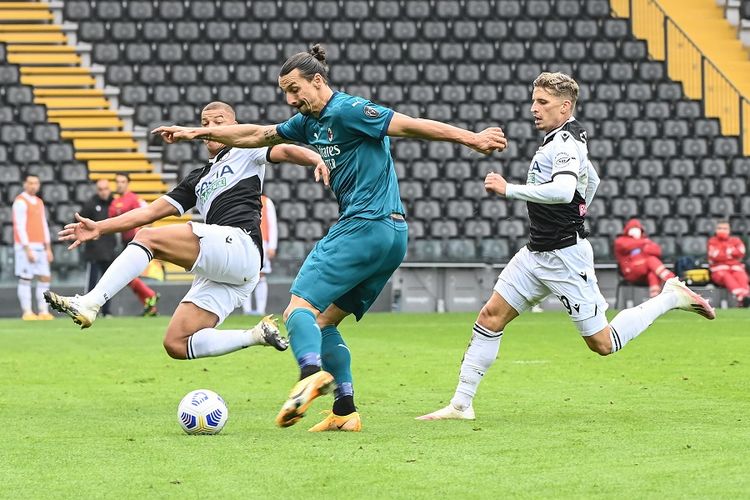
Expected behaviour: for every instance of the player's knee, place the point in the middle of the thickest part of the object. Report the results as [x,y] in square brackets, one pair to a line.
[601,348]
[176,348]
[601,342]
[148,237]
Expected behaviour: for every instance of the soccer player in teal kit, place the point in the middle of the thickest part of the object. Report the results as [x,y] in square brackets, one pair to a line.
[349,267]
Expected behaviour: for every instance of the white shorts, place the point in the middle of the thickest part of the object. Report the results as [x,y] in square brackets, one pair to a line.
[227,269]
[568,273]
[26,269]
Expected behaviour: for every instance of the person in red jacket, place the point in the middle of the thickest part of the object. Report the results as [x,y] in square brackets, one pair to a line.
[639,258]
[725,254]
[125,202]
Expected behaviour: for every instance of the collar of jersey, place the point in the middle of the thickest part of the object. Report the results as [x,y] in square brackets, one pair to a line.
[219,156]
[320,115]
[550,134]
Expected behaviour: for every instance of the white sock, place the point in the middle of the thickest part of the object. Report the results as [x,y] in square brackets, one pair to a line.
[630,323]
[24,294]
[261,296]
[126,267]
[212,342]
[478,358]
[41,304]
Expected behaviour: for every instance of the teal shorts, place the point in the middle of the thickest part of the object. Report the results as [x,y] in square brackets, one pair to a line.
[350,266]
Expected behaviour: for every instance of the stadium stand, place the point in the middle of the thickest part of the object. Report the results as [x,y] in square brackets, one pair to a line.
[466,61]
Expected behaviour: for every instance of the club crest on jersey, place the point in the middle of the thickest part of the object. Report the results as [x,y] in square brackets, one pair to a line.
[582,209]
[371,112]
[562,159]
[330,135]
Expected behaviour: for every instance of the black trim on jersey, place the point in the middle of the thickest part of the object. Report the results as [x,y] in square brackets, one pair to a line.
[563,172]
[555,226]
[268,155]
[240,207]
[573,127]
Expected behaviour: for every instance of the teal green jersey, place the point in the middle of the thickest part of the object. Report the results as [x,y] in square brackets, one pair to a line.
[350,135]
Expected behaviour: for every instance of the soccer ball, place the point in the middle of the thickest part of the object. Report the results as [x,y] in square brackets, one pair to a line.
[202,412]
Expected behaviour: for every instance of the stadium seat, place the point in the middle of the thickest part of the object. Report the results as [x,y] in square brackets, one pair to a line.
[608,227]
[308,230]
[443,229]
[494,250]
[625,207]
[608,188]
[701,187]
[704,225]
[388,9]
[637,188]
[690,206]
[426,250]
[668,246]
[676,226]
[693,245]
[511,228]
[656,207]
[721,206]
[602,247]
[477,228]
[427,209]
[733,186]
[706,127]
[462,249]
[411,190]
[725,147]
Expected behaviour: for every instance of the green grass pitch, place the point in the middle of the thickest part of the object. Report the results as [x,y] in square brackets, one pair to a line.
[93,414]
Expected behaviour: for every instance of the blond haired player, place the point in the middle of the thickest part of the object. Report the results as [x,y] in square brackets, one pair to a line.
[558,258]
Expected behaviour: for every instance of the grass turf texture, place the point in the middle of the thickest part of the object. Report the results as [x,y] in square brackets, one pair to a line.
[93,414]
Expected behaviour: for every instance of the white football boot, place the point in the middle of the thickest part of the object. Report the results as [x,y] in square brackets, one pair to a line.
[82,313]
[450,412]
[688,300]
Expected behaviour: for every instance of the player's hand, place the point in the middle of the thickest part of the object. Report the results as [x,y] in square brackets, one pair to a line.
[489,140]
[79,232]
[322,172]
[271,253]
[495,183]
[174,133]
[30,255]
[50,256]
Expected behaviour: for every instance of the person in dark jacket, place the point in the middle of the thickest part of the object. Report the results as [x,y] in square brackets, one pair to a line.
[101,252]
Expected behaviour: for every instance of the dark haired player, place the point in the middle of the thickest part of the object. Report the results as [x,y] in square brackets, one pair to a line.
[349,267]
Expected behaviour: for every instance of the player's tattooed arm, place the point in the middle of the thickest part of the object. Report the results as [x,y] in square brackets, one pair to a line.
[485,142]
[241,136]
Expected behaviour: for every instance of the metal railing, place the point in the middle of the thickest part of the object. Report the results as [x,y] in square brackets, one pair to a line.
[701,78]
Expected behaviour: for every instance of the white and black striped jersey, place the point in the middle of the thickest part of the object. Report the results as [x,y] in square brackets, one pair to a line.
[563,152]
[227,190]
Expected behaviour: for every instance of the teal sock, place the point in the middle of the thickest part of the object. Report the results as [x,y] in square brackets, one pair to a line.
[337,360]
[304,337]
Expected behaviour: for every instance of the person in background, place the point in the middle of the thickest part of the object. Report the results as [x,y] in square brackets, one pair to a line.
[639,258]
[32,248]
[725,255]
[125,202]
[269,230]
[100,253]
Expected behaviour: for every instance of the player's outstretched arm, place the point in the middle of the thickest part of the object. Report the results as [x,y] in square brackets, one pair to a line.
[486,141]
[244,135]
[560,190]
[301,156]
[86,229]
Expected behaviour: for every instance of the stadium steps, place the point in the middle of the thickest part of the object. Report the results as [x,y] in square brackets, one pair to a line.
[705,24]
[76,100]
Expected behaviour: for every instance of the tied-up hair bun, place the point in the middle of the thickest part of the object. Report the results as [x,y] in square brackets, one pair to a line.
[318,52]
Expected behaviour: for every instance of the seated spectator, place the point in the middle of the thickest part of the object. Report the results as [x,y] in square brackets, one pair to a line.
[725,254]
[639,258]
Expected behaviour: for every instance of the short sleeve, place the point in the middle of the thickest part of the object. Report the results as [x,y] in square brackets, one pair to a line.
[182,197]
[293,129]
[367,118]
[565,155]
